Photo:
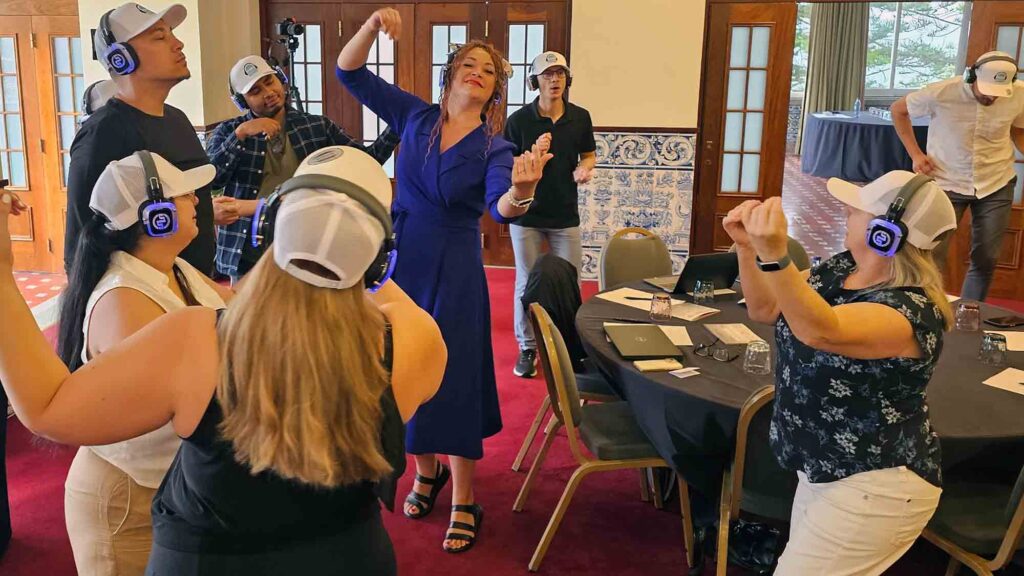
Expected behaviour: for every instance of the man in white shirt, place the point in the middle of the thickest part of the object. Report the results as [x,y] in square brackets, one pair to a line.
[974,123]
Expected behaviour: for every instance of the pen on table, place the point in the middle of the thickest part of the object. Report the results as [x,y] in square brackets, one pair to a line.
[637,297]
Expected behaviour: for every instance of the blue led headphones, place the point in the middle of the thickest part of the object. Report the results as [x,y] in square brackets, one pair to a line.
[120,57]
[239,99]
[159,216]
[887,234]
[265,217]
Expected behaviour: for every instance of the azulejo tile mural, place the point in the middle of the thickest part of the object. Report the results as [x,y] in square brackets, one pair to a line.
[644,180]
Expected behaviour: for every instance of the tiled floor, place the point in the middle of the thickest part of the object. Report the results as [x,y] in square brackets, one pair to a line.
[815,217]
[40,291]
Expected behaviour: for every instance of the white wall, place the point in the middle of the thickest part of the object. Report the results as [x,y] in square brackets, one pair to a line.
[637,63]
[216,33]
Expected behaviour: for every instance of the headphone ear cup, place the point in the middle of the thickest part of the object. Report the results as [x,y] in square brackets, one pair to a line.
[532,79]
[970,75]
[382,267]
[568,79]
[121,58]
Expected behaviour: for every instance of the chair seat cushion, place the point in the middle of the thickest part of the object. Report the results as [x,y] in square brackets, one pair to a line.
[972,515]
[594,385]
[610,432]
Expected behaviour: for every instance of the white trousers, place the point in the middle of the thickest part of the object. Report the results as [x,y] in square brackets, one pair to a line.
[859,525]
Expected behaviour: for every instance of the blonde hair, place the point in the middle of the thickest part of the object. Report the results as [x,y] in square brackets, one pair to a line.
[494,109]
[301,380]
[914,267]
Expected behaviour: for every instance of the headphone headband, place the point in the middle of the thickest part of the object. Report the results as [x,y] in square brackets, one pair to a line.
[994,58]
[154,190]
[364,198]
[108,34]
[899,204]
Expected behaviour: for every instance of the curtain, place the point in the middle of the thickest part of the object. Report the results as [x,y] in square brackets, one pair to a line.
[836,58]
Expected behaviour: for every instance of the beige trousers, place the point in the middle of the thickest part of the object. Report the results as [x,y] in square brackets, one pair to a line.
[857,526]
[108,518]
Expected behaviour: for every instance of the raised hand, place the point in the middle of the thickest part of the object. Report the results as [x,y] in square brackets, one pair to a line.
[267,126]
[544,142]
[386,20]
[527,171]
[10,205]
[733,223]
[767,229]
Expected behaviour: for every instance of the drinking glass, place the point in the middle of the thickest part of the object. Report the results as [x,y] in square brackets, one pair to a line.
[993,349]
[704,292]
[757,359]
[968,316]
[661,306]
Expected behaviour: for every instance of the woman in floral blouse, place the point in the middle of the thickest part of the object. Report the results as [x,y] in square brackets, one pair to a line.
[858,338]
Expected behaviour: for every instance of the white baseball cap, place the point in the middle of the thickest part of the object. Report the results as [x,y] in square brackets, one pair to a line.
[546,60]
[121,187]
[328,227]
[247,71]
[129,20]
[96,96]
[927,216]
[995,74]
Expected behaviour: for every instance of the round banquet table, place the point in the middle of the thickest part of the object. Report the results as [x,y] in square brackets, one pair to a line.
[857,149]
[692,421]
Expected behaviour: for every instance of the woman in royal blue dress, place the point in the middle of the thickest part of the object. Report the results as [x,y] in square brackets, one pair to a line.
[454,165]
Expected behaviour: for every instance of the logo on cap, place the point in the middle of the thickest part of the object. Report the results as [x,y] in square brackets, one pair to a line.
[249,69]
[551,58]
[324,156]
[1000,77]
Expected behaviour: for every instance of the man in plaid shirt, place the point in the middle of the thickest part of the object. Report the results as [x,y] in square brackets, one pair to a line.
[259,150]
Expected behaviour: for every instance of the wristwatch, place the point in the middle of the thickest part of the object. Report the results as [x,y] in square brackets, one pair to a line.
[519,203]
[775,266]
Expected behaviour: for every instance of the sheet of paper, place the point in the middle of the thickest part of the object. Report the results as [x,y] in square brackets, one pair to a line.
[677,334]
[680,309]
[952,298]
[1014,340]
[1011,380]
[685,372]
[732,333]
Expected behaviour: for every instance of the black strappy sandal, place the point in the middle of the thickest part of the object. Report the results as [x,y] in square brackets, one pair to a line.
[426,503]
[478,520]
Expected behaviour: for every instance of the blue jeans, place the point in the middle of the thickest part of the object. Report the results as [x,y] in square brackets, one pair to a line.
[526,244]
[989,217]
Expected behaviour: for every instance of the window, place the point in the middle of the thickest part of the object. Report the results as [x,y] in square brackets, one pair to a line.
[745,102]
[12,136]
[442,37]
[800,48]
[380,61]
[911,44]
[69,84]
[525,42]
[307,70]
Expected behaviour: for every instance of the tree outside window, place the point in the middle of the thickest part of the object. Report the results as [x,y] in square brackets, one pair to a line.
[913,44]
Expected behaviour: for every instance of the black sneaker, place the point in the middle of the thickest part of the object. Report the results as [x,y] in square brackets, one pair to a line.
[526,366]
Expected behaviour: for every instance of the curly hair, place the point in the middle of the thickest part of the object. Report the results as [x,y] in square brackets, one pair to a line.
[494,110]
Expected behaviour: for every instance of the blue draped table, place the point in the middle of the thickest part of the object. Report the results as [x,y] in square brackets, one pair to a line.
[692,421]
[856,149]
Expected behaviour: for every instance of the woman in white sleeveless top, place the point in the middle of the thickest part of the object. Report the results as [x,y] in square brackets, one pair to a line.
[122,279]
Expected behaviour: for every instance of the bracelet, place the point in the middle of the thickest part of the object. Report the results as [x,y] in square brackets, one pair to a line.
[524,203]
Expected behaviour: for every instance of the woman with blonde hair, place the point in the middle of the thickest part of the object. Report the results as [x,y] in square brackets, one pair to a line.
[289,406]
[857,340]
[453,166]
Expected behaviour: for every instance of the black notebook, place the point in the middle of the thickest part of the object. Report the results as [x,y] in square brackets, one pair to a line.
[642,342]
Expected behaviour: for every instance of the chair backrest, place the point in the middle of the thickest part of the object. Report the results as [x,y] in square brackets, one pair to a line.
[553,283]
[629,259]
[759,484]
[796,251]
[557,369]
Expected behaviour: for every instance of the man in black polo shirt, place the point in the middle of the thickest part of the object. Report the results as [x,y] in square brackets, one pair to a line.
[549,120]
[145,60]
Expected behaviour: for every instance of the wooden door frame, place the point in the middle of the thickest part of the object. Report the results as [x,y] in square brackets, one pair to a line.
[702,229]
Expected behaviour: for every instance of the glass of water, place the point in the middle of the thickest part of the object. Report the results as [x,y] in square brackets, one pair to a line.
[757,359]
[661,306]
[993,349]
[704,292]
[968,316]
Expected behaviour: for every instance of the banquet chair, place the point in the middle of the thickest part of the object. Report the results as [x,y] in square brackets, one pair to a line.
[607,430]
[629,259]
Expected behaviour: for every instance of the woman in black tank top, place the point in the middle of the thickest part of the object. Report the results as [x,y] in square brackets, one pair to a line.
[291,406]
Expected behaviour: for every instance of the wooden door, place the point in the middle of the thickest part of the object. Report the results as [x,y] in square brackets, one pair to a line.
[744,112]
[995,25]
[312,72]
[520,31]
[21,141]
[61,85]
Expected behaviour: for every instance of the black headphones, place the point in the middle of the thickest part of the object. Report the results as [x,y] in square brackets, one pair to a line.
[239,99]
[971,72]
[263,221]
[120,57]
[159,216]
[535,85]
[887,234]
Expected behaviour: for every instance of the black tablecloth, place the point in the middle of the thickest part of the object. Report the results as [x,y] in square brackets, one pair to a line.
[856,149]
[692,421]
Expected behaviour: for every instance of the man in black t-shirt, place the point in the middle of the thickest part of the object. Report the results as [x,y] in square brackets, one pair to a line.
[549,120]
[145,60]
